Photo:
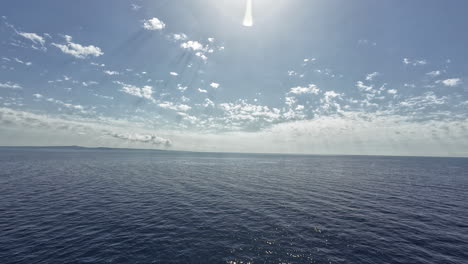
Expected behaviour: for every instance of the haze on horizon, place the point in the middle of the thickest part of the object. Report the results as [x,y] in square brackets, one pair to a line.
[317,77]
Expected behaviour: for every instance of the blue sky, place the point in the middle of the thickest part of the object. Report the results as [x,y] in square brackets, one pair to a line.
[320,77]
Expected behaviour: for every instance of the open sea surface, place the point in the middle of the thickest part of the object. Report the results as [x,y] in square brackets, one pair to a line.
[60,205]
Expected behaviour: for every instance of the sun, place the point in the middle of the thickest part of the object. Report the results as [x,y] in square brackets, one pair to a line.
[248,18]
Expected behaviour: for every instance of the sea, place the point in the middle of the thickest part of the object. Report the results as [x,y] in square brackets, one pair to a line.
[80,205]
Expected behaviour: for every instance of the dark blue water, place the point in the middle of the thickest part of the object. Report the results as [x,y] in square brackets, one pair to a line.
[119,206]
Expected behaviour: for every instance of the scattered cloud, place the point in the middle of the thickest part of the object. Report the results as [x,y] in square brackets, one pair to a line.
[176,107]
[77,50]
[371,76]
[311,89]
[364,87]
[174,73]
[111,72]
[142,138]
[214,85]
[178,36]
[414,62]
[452,82]
[392,91]
[434,73]
[202,90]
[35,38]
[142,92]
[153,24]
[193,45]
[181,88]
[10,85]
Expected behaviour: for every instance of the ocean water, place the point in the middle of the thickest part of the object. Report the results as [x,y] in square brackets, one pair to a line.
[122,206]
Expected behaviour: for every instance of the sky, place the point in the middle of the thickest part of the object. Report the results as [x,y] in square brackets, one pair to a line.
[331,77]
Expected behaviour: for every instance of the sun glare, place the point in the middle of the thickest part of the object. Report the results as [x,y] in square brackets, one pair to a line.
[248,19]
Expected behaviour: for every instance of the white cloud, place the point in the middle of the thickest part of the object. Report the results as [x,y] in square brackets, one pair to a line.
[97,64]
[10,85]
[214,85]
[433,73]
[211,39]
[371,76]
[111,73]
[77,50]
[201,55]
[392,91]
[176,107]
[363,87]
[202,90]
[86,84]
[311,89]
[153,24]
[174,73]
[191,44]
[331,94]
[181,88]
[179,36]
[208,103]
[28,63]
[38,96]
[290,101]
[143,138]
[452,82]
[415,62]
[35,38]
[143,92]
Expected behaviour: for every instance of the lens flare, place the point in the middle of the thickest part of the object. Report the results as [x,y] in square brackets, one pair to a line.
[248,20]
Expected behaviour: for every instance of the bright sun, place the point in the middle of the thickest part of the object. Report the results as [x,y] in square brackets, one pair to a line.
[248,19]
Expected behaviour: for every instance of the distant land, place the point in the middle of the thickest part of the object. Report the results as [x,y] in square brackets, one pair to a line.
[75,147]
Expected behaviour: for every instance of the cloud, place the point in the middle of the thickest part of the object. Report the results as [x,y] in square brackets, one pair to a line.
[193,45]
[208,103]
[181,88]
[433,73]
[22,62]
[200,49]
[143,92]
[174,73]
[414,62]
[176,107]
[111,73]
[86,84]
[178,36]
[135,7]
[392,91]
[452,82]
[214,85]
[371,76]
[77,50]
[79,130]
[10,85]
[35,38]
[202,90]
[143,138]
[311,89]
[363,87]
[38,96]
[153,24]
